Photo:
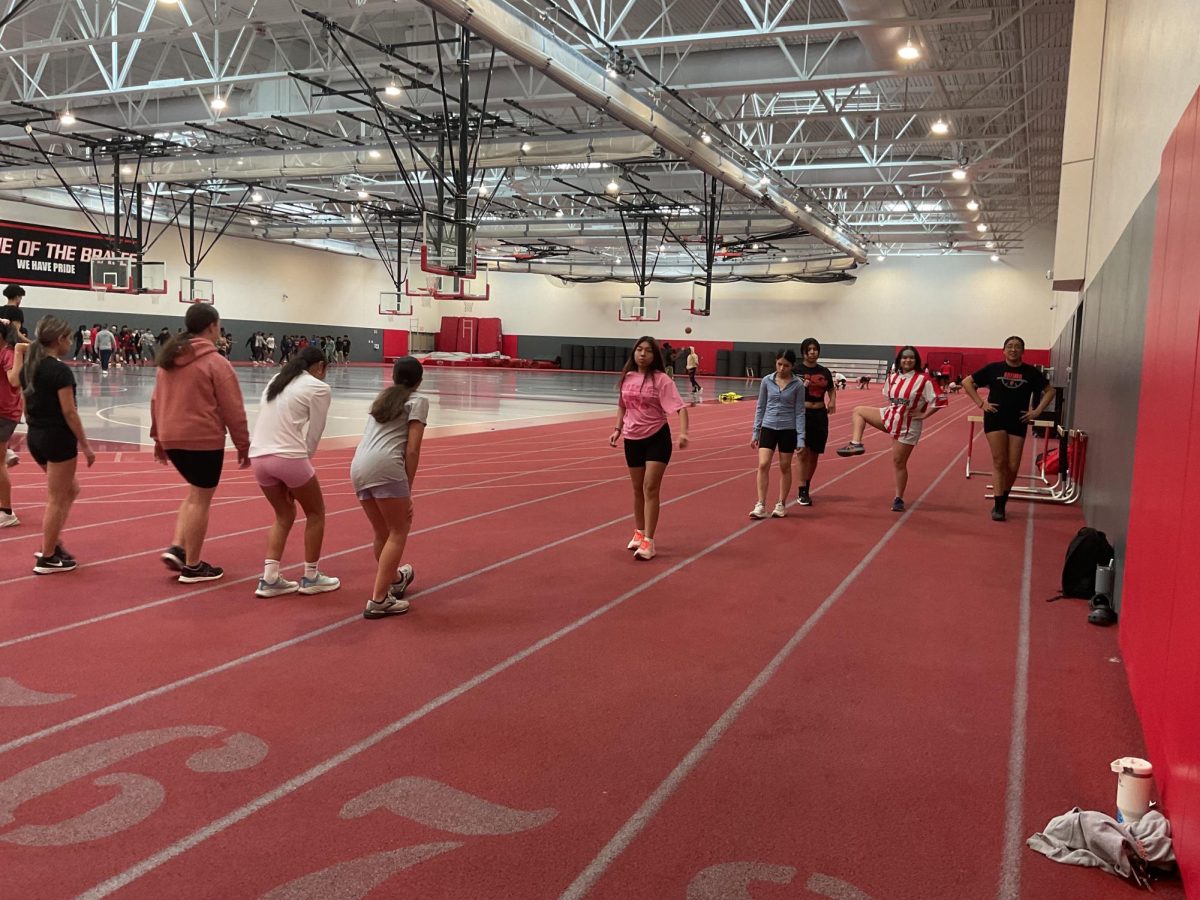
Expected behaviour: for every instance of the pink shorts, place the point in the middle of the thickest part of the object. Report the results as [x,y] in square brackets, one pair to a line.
[287,470]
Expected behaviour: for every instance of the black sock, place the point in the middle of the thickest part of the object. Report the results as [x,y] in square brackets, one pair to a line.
[1001,501]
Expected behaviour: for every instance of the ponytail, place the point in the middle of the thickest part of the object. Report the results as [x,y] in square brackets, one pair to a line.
[48,331]
[301,362]
[197,320]
[407,373]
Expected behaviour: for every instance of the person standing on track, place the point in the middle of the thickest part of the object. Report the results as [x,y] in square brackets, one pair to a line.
[10,413]
[1007,412]
[55,434]
[196,400]
[382,474]
[647,398]
[693,366]
[820,402]
[291,420]
[911,396]
[779,423]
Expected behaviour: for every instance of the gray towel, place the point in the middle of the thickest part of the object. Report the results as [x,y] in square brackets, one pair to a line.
[1081,838]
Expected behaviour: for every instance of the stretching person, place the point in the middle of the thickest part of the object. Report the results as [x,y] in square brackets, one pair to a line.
[55,434]
[1011,385]
[910,393]
[820,402]
[693,366]
[291,420]
[196,400]
[10,413]
[647,398]
[779,424]
[382,474]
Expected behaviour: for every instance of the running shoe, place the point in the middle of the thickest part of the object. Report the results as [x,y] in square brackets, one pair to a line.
[8,520]
[852,449]
[201,571]
[11,458]
[276,588]
[50,565]
[759,511]
[779,511]
[388,606]
[59,550]
[804,498]
[174,558]
[638,537]
[319,584]
[645,550]
[404,578]
[997,515]
[897,505]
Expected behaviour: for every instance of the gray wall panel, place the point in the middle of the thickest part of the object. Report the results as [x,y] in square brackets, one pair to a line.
[1109,376]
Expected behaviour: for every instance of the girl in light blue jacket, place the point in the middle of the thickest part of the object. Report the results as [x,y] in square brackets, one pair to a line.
[778,425]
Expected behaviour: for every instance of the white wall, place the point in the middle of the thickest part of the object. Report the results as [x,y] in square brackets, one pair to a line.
[949,300]
[962,300]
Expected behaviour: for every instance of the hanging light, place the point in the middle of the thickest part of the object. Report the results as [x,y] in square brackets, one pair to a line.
[879,257]
[363,195]
[981,227]
[558,214]
[808,207]
[374,154]
[217,102]
[612,187]
[126,170]
[483,190]
[66,118]
[392,89]
[959,174]
[973,205]
[909,51]
[706,137]
[526,147]
[783,259]
[995,257]
[941,126]
[253,221]
[764,181]
[991,245]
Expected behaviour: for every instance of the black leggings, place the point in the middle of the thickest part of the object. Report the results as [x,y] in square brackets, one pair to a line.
[691,374]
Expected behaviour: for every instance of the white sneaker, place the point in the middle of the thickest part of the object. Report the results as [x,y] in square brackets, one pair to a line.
[11,458]
[759,511]
[779,511]
[636,541]
[645,550]
[319,584]
[404,577]
[8,520]
[276,588]
[388,606]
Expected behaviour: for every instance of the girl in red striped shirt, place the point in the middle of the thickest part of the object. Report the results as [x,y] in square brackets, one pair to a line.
[910,394]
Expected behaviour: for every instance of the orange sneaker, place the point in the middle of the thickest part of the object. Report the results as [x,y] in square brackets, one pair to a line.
[645,550]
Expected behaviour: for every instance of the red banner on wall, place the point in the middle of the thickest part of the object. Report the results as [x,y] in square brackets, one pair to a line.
[53,257]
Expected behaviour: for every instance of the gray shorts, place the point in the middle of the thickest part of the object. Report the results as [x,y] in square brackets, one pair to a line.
[7,427]
[392,490]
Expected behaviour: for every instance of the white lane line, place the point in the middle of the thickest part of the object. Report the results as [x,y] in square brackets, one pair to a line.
[1014,794]
[641,818]
[218,826]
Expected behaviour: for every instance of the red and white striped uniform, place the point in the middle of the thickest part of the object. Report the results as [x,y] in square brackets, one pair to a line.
[907,393]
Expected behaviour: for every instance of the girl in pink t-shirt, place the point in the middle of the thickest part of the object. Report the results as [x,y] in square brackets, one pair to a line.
[648,396]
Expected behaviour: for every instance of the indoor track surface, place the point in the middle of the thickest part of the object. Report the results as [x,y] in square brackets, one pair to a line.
[847,703]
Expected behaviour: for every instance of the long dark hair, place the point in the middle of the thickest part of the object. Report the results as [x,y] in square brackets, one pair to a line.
[656,363]
[407,373]
[809,342]
[48,330]
[301,362]
[916,353]
[198,318]
[789,355]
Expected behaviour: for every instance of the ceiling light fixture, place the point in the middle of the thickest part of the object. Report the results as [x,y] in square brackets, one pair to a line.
[253,221]
[981,227]
[764,181]
[66,118]
[959,174]
[558,214]
[363,195]
[783,259]
[257,197]
[392,89]
[941,126]
[808,207]
[909,51]
[126,170]
[241,162]
[374,154]
[991,245]
[879,257]
[612,187]
[995,257]
[973,205]
[217,102]
[706,137]
[483,190]
[526,147]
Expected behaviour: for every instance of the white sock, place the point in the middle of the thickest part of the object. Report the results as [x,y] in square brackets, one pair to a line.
[271,571]
[310,570]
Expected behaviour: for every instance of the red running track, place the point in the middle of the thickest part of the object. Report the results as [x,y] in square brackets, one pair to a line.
[833,704]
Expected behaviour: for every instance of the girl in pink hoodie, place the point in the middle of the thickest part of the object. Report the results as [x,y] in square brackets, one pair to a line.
[196,400]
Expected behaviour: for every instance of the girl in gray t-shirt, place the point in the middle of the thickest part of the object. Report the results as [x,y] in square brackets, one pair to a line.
[382,472]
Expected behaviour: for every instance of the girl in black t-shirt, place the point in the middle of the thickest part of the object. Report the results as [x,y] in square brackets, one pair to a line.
[55,434]
[820,402]
[1012,387]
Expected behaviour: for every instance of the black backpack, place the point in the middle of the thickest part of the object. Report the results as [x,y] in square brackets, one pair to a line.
[1089,548]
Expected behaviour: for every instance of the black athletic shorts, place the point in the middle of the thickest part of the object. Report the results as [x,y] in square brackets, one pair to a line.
[1002,421]
[656,448]
[816,430]
[783,440]
[199,468]
[51,445]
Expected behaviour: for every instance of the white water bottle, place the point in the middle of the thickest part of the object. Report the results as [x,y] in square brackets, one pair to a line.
[1135,777]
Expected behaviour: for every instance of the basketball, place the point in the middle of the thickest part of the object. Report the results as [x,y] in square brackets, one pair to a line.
[688,330]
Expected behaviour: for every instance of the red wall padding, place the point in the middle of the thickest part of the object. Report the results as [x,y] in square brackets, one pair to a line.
[395,343]
[446,340]
[487,336]
[1160,601]
[508,345]
[973,358]
[706,350]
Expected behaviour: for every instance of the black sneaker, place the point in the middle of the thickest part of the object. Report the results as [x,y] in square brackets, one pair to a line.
[59,550]
[201,571]
[49,565]
[174,559]
[998,514]
[804,499]
[897,505]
